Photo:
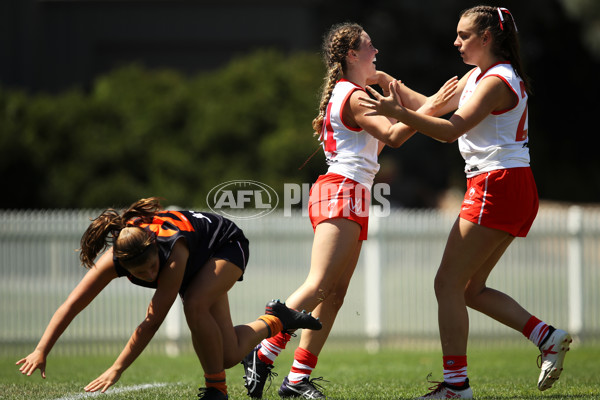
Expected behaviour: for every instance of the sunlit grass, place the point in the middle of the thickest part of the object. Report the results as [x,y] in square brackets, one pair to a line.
[502,373]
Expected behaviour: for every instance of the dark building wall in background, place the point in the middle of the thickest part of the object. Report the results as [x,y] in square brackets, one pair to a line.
[51,45]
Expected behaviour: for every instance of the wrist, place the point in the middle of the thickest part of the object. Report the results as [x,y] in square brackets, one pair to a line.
[118,368]
[384,79]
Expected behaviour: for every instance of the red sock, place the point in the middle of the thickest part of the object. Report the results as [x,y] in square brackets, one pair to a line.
[216,380]
[455,369]
[536,330]
[304,363]
[271,347]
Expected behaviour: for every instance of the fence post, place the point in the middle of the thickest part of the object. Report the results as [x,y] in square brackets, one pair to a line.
[575,269]
[373,291]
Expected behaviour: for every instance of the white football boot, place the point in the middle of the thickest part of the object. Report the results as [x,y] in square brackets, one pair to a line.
[445,390]
[551,358]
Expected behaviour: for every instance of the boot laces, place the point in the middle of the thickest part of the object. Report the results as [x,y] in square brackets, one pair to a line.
[313,383]
[436,387]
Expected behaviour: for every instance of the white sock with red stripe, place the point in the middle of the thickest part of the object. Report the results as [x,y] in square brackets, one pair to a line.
[271,347]
[304,363]
[536,331]
[455,370]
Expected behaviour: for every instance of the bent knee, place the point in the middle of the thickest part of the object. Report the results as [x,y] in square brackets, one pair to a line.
[472,296]
[446,286]
[336,298]
[231,360]
[318,292]
[195,306]
[440,286]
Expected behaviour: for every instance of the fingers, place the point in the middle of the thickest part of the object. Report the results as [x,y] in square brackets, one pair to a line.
[374,92]
[367,102]
[101,383]
[27,368]
[395,89]
[452,82]
[96,385]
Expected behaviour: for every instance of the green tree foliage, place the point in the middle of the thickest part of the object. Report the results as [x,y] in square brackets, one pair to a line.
[144,133]
[587,12]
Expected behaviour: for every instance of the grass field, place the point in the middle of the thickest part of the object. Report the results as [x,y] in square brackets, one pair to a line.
[504,373]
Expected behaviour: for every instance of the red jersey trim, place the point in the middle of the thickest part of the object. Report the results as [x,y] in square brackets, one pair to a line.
[490,67]
[342,111]
[357,87]
[511,89]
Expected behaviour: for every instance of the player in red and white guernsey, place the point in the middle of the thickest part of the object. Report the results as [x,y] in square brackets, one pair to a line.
[501,202]
[349,151]
[500,140]
[339,201]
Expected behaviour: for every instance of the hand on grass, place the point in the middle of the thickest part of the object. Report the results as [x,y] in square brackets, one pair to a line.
[104,381]
[35,360]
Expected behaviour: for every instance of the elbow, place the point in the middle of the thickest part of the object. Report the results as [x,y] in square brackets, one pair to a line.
[452,135]
[449,138]
[151,324]
[394,143]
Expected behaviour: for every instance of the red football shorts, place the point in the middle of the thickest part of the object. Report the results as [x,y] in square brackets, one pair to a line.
[335,196]
[504,199]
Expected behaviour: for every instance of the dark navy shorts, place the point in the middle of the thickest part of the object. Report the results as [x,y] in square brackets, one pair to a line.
[235,251]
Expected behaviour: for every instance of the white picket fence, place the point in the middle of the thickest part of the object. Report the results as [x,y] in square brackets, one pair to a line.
[554,273]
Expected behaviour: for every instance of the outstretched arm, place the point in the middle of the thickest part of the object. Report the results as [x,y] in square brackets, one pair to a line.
[169,283]
[491,94]
[396,134]
[90,286]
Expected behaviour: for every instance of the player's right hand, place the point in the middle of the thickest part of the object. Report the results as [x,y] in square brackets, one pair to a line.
[32,362]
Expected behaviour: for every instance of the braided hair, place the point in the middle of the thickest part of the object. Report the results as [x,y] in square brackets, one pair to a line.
[338,41]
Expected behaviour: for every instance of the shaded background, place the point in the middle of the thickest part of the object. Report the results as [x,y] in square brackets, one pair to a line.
[103,102]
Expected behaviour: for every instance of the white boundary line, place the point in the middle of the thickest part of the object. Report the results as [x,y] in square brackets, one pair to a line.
[114,391]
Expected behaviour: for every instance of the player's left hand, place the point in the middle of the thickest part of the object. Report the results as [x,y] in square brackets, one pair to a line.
[104,381]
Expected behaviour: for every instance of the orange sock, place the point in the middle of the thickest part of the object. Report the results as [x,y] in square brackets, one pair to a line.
[273,323]
[216,380]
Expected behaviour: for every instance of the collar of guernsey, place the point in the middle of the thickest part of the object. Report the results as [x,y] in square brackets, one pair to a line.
[350,152]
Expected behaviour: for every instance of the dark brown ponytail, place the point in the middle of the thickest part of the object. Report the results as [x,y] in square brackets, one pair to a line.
[106,229]
[503,28]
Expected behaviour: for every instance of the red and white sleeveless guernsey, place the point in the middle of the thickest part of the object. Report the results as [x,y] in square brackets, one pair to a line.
[500,141]
[350,152]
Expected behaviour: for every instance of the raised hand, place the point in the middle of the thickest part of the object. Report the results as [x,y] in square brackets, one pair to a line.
[443,96]
[390,106]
